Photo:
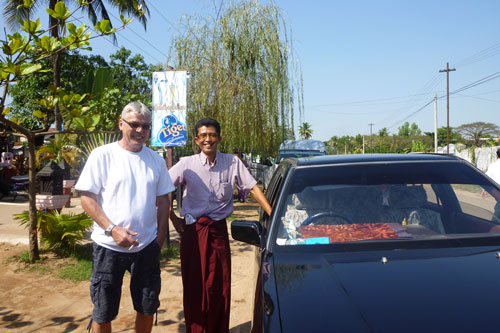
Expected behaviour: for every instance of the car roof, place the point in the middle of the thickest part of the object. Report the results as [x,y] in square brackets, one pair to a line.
[303,145]
[367,158]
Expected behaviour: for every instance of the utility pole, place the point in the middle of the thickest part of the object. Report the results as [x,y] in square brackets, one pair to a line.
[435,124]
[447,70]
[371,134]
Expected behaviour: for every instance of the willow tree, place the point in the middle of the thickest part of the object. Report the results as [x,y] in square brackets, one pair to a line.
[243,74]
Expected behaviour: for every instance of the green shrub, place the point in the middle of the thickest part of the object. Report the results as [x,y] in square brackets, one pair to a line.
[80,270]
[169,253]
[59,232]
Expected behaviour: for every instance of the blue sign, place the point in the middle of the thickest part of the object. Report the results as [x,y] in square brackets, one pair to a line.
[169,109]
[172,132]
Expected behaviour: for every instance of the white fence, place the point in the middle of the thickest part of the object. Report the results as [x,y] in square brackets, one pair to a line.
[483,156]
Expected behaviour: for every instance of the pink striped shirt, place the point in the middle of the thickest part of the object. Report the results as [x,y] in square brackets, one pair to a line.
[208,189]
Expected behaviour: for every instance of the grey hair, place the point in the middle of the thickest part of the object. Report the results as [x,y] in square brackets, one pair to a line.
[136,107]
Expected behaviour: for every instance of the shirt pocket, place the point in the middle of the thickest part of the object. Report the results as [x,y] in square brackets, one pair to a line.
[225,191]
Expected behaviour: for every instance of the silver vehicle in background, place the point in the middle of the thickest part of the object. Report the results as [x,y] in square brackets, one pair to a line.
[289,148]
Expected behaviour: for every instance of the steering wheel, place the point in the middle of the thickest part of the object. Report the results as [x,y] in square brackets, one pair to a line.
[310,219]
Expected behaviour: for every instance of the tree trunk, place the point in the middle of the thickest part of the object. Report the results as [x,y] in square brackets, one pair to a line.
[56,64]
[33,230]
[30,136]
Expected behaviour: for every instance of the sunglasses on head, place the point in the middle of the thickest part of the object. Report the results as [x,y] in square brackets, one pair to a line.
[145,127]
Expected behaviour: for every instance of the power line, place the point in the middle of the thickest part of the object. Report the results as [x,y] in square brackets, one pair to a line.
[145,40]
[436,79]
[479,98]
[413,113]
[478,82]
[481,55]
[367,102]
[121,36]
[161,14]
[468,86]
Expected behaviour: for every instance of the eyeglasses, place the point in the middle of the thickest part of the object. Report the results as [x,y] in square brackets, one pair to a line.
[203,136]
[135,126]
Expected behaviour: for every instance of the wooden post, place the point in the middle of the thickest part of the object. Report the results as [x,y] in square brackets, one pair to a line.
[447,70]
[170,152]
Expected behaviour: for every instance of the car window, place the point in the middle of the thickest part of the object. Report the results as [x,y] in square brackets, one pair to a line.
[360,203]
[431,195]
[475,201]
[272,192]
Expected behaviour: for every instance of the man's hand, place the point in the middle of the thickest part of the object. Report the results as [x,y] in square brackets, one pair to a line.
[178,222]
[124,237]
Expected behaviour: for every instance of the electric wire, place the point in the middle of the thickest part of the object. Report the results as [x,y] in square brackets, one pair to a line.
[141,37]
[479,98]
[480,56]
[426,89]
[106,38]
[376,101]
[468,86]
[477,83]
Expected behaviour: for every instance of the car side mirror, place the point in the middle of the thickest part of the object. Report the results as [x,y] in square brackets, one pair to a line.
[249,232]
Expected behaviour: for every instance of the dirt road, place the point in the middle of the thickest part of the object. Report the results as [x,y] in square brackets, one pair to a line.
[38,302]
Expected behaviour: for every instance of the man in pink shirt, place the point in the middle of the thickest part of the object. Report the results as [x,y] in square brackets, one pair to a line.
[208,179]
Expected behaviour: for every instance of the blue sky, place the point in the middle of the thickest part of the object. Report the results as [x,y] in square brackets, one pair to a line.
[368,62]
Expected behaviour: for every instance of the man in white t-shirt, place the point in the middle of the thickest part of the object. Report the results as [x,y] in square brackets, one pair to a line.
[494,169]
[494,173]
[124,188]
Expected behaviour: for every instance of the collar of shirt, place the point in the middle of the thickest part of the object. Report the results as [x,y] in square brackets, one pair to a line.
[204,159]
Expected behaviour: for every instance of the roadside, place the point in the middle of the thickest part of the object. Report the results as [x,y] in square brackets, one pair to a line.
[38,302]
[10,231]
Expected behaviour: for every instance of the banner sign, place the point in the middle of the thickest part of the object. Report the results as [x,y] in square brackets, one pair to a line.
[169,109]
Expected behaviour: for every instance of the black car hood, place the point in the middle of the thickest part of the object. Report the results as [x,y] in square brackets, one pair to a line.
[433,290]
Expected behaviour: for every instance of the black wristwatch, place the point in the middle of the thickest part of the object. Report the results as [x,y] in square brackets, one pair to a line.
[108,230]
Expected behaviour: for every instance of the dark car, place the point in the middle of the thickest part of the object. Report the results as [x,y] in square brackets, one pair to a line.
[377,243]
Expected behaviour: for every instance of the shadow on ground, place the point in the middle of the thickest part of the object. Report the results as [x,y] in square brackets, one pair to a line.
[242,328]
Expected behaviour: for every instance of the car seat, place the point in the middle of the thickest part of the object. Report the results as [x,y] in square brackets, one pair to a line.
[407,203]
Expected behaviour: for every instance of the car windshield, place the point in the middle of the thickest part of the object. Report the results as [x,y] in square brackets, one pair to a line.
[383,202]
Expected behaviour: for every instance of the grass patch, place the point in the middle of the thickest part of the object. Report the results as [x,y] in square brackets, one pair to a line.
[23,258]
[78,270]
[231,217]
[24,265]
[169,253]
[80,267]
[39,268]
[77,267]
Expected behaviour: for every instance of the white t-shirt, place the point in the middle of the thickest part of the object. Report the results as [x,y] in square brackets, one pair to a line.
[126,184]
[494,171]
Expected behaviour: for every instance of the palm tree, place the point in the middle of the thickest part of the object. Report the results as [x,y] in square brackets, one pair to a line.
[95,10]
[58,149]
[305,131]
